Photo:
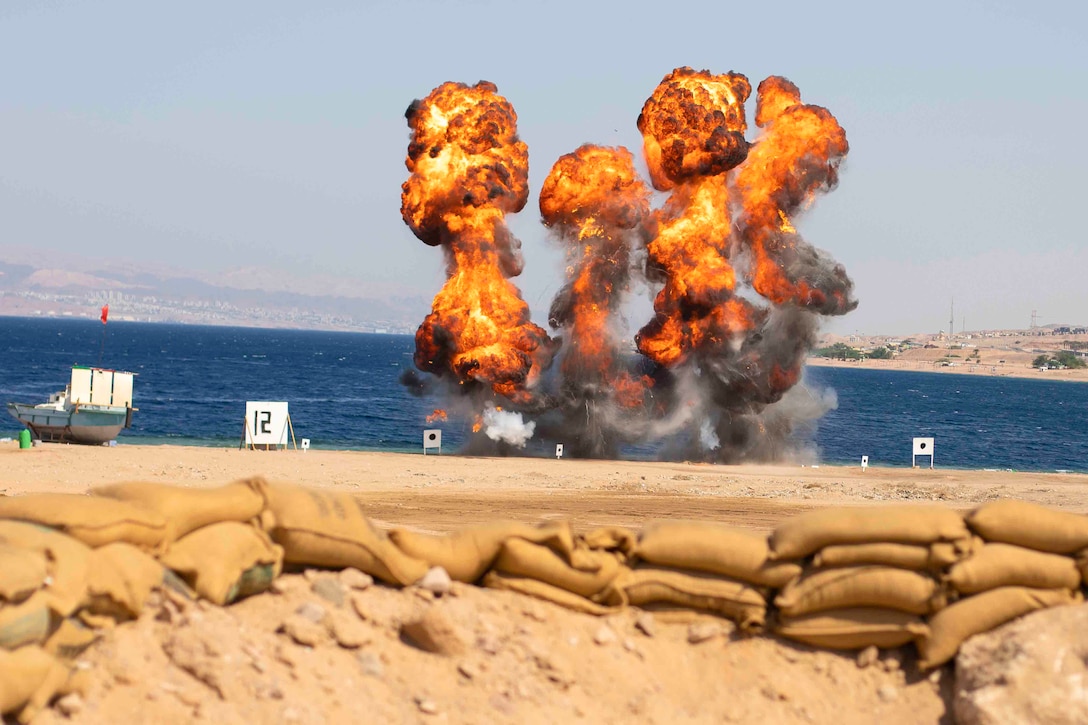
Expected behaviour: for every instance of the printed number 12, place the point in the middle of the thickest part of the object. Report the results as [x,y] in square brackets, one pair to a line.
[262,422]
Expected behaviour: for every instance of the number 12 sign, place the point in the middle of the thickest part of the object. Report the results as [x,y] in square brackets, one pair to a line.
[266,423]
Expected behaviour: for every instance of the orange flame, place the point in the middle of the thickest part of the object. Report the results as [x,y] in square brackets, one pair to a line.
[693,133]
[594,199]
[438,414]
[469,169]
[797,155]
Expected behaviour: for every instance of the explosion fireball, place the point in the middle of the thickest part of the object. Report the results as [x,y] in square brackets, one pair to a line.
[739,294]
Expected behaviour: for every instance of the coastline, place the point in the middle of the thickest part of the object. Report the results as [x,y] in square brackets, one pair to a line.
[971,369]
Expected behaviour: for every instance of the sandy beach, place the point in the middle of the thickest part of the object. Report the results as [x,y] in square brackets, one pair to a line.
[516,659]
[441,492]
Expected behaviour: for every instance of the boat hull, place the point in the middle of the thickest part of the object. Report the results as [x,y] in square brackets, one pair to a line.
[91,426]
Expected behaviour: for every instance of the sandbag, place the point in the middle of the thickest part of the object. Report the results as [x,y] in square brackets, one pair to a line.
[22,572]
[736,600]
[714,548]
[188,509]
[94,520]
[860,586]
[225,561]
[468,553]
[28,622]
[917,557]
[29,678]
[70,639]
[949,627]
[120,579]
[806,533]
[330,529]
[1005,565]
[546,592]
[521,558]
[854,628]
[1030,525]
[66,561]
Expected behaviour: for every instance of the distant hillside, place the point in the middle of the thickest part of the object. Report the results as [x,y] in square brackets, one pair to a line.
[242,296]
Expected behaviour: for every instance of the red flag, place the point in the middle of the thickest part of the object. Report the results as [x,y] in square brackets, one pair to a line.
[105,313]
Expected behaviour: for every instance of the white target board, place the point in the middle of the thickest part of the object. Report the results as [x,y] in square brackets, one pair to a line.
[266,423]
[922,447]
[558,450]
[432,438]
[864,462]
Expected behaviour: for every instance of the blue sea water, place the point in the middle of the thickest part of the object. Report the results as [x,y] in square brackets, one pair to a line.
[344,392]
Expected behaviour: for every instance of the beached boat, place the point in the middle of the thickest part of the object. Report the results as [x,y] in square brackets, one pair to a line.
[93,409]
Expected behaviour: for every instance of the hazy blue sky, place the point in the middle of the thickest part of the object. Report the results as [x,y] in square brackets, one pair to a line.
[211,136]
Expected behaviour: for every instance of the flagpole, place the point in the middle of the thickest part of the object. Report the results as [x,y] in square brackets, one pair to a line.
[102,347]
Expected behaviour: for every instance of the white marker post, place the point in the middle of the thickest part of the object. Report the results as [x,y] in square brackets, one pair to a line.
[432,438]
[305,444]
[864,462]
[558,450]
[922,447]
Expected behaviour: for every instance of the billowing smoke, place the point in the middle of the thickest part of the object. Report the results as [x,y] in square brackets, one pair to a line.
[738,294]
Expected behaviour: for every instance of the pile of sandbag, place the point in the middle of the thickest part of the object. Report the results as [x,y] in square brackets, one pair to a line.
[1023,560]
[845,578]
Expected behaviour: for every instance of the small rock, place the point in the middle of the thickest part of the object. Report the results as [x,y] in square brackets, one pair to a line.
[303,630]
[468,670]
[436,581]
[604,636]
[887,693]
[330,589]
[352,578]
[371,664]
[347,630]
[358,603]
[427,706]
[703,631]
[868,656]
[891,664]
[935,676]
[70,705]
[646,624]
[312,612]
[435,632]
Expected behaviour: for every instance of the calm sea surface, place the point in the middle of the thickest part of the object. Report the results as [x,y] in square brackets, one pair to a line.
[343,393]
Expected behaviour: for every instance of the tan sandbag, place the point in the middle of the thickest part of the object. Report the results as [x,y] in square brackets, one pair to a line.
[547,592]
[70,639]
[612,538]
[739,601]
[22,572]
[951,626]
[28,622]
[1005,565]
[917,557]
[29,678]
[66,560]
[188,509]
[120,579]
[94,520]
[714,548]
[331,529]
[809,532]
[860,586]
[518,557]
[226,561]
[1030,525]
[466,554]
[854,628]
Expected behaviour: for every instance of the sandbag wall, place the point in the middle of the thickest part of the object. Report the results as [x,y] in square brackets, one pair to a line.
[842,578]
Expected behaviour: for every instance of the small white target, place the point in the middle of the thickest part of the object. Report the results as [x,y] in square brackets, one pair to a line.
[922,447]
[558,450]
[305,444]
[432,438]
[864,462]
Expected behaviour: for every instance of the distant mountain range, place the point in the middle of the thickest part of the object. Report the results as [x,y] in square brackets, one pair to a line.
[242,296]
